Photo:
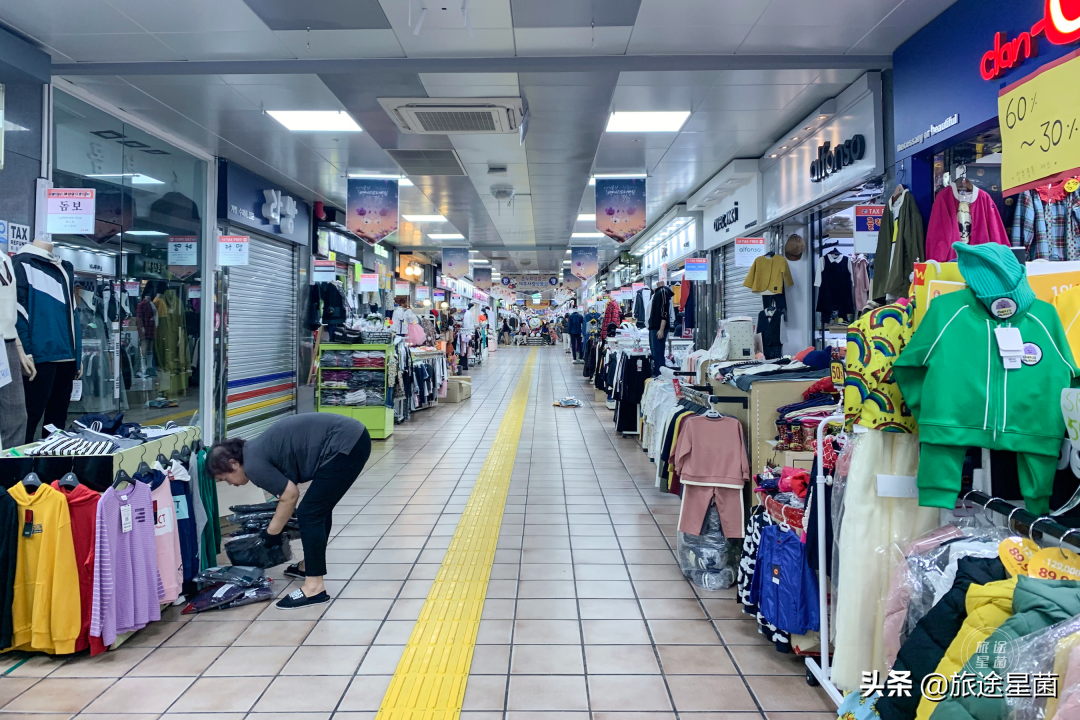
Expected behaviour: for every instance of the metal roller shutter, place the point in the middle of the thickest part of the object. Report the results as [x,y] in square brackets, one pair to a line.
[262,338]
[738,300]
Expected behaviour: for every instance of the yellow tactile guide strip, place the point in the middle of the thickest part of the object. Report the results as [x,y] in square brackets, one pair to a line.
[429,683]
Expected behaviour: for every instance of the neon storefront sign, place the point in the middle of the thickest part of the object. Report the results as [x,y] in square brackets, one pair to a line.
[1060,24]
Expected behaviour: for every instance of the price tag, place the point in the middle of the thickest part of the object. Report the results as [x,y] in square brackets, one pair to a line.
[125,518]
[1054,564]
[5,370]
[76,390]
[1016,554]
[1040,127]
[1070,410]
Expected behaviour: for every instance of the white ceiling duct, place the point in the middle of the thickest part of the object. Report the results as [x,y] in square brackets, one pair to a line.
[454,116]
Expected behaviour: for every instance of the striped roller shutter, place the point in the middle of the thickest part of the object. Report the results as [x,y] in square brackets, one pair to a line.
[738,300]
[262,338]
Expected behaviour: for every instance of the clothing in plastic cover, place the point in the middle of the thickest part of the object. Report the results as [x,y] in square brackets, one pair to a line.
[709,560]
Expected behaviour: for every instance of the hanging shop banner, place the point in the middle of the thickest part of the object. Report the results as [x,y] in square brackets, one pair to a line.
[697,269]
[233,250]
[625,294]
[638,286]
[530,282]
[867,225]
[457,300]
[323,271]
[584,261]
[183,250]
[438,295]
[481,278]
[1040,126]
[372,208]
[70,211]
[570,281]
[620,207]
[422,292]
[455,262]
[401,287]
[132,288]
[520,300]
[747,250]
[369,282]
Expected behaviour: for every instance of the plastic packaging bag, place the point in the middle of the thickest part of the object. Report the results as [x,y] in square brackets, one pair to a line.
[1051,650]
[250,549]
[567,402]
[251,595]
[240,575]
[213,597]
[268,506]
[709,560]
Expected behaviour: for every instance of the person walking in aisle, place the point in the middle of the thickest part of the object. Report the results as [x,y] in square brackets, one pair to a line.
[327,451]
[505,334]
[660,318]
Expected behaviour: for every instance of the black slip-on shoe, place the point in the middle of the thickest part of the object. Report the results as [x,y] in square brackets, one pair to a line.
[294,571]
[296,599]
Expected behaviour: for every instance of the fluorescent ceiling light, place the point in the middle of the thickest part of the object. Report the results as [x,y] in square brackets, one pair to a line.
[587,235]
[315,120]
[647,121]
[479,260]
[144,232]
[586,217]
[424,218]
[12,127]
[626,176]
[405,182]
[446,236]
[136,178]
[402,182]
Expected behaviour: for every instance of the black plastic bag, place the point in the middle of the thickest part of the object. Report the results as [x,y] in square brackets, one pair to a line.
[242,576]
[213,597]
[250,549]
[252,595]
[269,505]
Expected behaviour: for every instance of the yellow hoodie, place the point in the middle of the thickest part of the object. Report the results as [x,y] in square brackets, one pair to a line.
[45,608]
[988,606]
[1067,305]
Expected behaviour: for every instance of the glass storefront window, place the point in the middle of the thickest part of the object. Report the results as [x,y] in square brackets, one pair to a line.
[138,304]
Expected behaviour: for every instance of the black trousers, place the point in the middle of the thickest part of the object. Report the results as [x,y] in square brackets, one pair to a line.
[575,346]
[48,395]
[316,510]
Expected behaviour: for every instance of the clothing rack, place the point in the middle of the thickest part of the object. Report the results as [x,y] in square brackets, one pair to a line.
[699,397]
[1036,527]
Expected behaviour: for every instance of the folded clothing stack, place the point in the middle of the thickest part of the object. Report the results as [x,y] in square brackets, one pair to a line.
[65,443]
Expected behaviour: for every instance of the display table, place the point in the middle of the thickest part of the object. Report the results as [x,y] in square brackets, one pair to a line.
[378,419]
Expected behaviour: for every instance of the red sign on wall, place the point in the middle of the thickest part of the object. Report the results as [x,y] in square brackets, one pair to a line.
[1060,24]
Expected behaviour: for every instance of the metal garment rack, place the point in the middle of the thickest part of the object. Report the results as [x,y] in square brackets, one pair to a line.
[1038,528]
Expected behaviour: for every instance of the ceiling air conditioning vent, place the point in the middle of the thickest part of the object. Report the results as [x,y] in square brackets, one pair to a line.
[454,116]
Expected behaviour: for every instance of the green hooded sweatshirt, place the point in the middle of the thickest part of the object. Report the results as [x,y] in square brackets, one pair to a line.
[1037,604]
[954,379]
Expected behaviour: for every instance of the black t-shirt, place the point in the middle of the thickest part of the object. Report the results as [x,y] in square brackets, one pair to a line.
[294,448]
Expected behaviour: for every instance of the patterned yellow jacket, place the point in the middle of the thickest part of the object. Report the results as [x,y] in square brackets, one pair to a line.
[871,397]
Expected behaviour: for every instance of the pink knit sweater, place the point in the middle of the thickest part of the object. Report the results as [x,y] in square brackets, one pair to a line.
[986,225]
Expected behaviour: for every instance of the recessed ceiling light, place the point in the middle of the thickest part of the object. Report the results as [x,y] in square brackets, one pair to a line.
[402,182]
[587,235]
[446,236]
[315,120]
[424,218]
[795,138]
[774,155]
[144,232]
[479,260]
[405,182]
[136,178]
[626,176]
[822,117]
[647,121]
[586,217]
[783,147]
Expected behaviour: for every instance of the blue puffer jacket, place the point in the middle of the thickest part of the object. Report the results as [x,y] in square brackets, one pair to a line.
[45,300]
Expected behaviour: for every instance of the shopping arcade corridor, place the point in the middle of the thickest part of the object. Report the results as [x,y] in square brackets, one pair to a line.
[586,609]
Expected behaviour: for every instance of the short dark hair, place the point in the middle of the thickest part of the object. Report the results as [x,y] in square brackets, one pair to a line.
[219,459]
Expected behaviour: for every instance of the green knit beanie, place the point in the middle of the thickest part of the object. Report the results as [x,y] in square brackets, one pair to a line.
[996,277]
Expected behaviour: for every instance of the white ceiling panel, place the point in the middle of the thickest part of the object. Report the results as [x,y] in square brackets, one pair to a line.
[310,96]
[253,45]
[751,97]
[657,98]
[43,20]
[724,121]
[697,39]
[456,42]
[664,79]
[800,39]
[190,15]
[689,13]
[483,15]
[572,41]
[337,44]
[113,48]
[848,13]
[768,77]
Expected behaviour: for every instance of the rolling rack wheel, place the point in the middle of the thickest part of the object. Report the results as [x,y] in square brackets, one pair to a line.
[810,679]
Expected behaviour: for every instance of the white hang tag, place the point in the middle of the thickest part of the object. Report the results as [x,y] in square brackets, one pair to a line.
[125,518]
[897,486]
[76,390]
[1010,346]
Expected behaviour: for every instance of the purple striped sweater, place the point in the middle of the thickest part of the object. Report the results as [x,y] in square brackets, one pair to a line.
[127,587]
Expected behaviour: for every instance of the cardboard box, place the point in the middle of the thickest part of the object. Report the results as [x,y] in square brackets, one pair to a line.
[457,389]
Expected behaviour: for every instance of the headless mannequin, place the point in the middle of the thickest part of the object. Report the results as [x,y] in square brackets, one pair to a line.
[47,385]
[12,397]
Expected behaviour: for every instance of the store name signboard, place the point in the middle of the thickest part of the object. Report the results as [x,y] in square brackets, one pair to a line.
[747,250]
[71,211]
[834,159]
[728,218]
[280,210]
[1055,24]
[233,250]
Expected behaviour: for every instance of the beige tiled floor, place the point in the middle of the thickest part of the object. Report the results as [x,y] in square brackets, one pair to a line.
[587,611]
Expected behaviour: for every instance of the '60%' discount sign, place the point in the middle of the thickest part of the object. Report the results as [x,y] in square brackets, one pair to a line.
[1040,126]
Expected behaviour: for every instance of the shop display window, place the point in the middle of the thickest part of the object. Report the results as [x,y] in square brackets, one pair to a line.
[139,290]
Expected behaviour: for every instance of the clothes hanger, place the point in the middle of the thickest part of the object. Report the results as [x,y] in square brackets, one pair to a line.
[31,482]
[897,192]
[122,480]
[144,467]
[69,481]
